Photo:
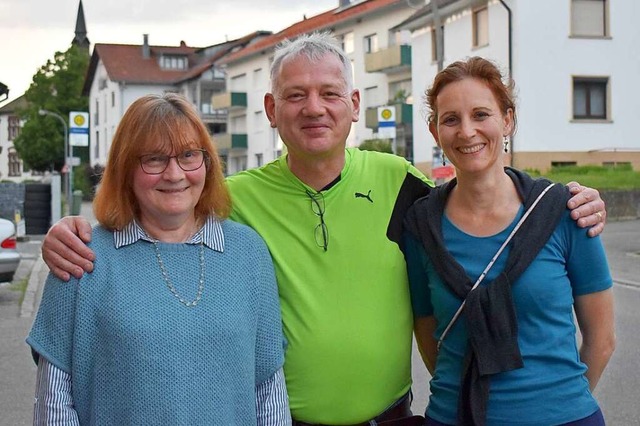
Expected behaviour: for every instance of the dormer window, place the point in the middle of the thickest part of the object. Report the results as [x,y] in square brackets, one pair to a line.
[173,62]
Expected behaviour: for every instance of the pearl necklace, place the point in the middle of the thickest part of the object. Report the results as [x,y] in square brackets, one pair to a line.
[170,285]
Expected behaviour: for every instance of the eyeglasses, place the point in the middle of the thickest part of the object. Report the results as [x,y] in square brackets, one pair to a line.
[189,160]
[321,232]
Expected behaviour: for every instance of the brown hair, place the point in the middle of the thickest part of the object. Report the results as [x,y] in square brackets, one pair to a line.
[478,68]
[152,123]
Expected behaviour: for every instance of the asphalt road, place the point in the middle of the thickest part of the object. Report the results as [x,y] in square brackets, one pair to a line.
[618,391]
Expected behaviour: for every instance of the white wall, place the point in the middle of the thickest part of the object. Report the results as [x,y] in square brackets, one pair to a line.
[457,45]
[547,58]
[111,110]
[244,77]
[4,146]
[379,24]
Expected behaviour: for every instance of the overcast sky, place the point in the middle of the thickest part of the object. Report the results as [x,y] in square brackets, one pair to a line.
[31,31]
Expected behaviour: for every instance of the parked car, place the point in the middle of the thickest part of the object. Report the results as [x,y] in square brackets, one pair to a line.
[9,256]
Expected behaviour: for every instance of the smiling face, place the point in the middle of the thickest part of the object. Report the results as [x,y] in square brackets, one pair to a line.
[170,197]
[312,107]
[470,126]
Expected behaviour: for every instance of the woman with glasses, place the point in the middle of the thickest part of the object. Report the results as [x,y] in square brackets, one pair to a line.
[179,323]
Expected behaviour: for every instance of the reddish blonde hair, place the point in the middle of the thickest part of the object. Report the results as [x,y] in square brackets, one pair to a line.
[156,123]
[480,69]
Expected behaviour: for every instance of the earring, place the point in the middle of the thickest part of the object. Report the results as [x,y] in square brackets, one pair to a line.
[444,160]
[506,144]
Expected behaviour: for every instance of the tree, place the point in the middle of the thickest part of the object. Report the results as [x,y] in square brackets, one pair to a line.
[56,87]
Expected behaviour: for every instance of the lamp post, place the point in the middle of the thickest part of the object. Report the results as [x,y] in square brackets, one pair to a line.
[66,153]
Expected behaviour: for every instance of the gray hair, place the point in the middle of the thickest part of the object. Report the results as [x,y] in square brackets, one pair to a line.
[314,47]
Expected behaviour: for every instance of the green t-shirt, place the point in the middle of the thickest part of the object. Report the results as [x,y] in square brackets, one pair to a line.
[346,311]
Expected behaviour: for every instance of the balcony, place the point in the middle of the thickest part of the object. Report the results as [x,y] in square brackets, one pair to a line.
[228,141]
[210,115]
[390,60]
[404,115]
[229,100]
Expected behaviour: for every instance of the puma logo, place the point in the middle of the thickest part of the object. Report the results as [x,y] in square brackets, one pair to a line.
[361,195]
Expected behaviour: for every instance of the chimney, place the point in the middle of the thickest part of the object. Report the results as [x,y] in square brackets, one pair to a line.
[146,52]
[343,3]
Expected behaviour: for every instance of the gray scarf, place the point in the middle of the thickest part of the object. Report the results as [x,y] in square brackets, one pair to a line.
[489,311]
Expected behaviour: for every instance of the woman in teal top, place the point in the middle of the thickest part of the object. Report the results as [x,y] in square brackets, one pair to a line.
[510,357]
[179,323]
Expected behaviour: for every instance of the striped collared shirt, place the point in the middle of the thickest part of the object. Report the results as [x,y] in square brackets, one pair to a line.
[53,403]
[210,235]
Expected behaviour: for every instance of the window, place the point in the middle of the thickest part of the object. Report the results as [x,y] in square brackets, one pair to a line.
[206,93]
[14,127]
[96,114]
[238,83]
[480,27]
[258,160]
[371,43]
[113,99]
[241,163]
[563,163]
[590,98]
[400,91]
[14,162]
[223,161]
[372,97]
[257,78]
[218,74]
[217,128]
[399,38]
[173,62]
[626,165]
[347,42]
[589,18]
[96,146]
[238,124]
[434,44]
[258,121]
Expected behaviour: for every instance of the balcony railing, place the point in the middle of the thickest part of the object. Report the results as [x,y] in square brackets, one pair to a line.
[390,60]
[227,141]
[229,100]
[404,115]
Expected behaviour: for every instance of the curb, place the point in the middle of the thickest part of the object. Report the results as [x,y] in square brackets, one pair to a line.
[626,283]
[36,279]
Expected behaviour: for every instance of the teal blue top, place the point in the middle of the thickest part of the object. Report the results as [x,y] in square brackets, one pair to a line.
[551,388]
[136,355]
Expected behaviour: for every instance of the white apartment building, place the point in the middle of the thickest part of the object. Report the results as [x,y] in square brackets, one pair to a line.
[381,67]
[572,62]
[119,74]
[11,166]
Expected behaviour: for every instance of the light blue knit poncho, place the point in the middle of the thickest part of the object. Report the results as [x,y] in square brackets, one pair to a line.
[138,356]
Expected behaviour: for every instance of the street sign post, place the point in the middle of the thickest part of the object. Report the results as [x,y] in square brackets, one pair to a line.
[78,128]
[387,124]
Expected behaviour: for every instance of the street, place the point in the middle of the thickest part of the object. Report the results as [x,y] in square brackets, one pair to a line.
[617,391]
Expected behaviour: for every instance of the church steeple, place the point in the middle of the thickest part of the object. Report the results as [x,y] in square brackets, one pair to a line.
[81,38]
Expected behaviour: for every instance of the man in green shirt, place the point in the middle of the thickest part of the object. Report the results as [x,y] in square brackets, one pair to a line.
[332,218]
